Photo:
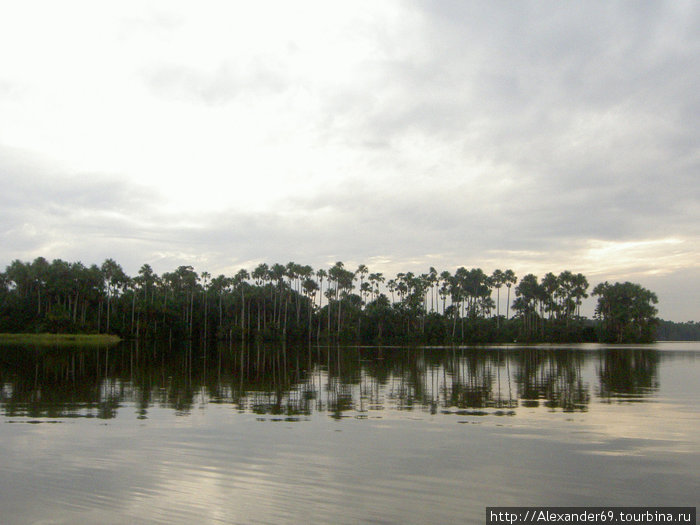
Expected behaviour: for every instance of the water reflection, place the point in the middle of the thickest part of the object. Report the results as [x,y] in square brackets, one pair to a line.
[553,376]
[296,382]
[628,374]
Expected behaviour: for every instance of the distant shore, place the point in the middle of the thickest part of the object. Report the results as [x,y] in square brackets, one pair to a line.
[293,302]
[60,339]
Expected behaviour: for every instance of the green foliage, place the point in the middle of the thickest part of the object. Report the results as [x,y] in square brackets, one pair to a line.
[626,312]
[670,331]
[292,302]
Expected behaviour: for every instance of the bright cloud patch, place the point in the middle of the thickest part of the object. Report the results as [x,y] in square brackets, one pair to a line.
[403,135]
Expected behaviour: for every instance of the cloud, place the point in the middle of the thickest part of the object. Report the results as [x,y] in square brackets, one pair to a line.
[90,219]
[217,87]
[424,133]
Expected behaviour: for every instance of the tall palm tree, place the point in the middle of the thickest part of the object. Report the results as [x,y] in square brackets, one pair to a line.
[361,271]
[240,281]
[444,291]
[579,291]
[304,273]
[509,280]
[310,287]
[550,287]
[321,274]
[113,276]
[147,279]
[277,273]
[391,284]
[375,279]
[344,283]
[529,294]
[206,276]
[432,281]
[39,270]
[220,286]
[497,279]
[260,275]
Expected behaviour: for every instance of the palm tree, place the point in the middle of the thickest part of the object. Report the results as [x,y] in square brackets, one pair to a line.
[509,279]
[113,276]
[220,285]
[277,273]
[497,279]
[391,284]
[375,279]
[292,272]
[365,291]
[550,288]
[39,271]
[574,288]
[444,288]
[361,271]
[528,293]
[330,294]
[344,285]
[206,276]
[147,279]
[261,274]
[310,288]
[321,274]
[432,281]
[240,281]
[303,272]
[579,291]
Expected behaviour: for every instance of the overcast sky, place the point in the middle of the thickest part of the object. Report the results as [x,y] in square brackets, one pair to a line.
[537,136]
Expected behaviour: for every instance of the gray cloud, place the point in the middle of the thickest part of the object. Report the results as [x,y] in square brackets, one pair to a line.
[593,110]
[95,219]
[348,219]
[532,68]
[226,83]
[555,125]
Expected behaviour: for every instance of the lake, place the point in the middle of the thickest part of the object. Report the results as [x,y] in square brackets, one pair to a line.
[269,434]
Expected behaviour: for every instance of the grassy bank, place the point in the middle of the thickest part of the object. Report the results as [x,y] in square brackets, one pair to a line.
[60,339]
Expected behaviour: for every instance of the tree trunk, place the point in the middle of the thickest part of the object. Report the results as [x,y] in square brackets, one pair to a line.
[508,304]
[109,301]
[133,309]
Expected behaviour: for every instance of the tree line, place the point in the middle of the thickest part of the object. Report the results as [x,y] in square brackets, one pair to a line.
[670,331]
[296,302]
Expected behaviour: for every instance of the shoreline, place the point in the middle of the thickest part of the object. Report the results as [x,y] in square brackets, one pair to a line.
[60,339]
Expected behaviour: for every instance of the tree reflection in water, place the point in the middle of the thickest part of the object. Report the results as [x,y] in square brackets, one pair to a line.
[296,382]
[553,376]
[628,374]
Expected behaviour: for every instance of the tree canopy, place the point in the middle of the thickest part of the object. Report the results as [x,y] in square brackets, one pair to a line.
[292,301]
[626,311]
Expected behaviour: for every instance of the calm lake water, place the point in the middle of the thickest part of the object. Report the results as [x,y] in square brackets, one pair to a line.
[343,435]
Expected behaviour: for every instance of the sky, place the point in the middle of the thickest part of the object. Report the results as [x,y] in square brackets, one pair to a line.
[535,136]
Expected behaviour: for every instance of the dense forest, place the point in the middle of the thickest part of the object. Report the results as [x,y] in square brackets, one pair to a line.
[294,302]
[670,331]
